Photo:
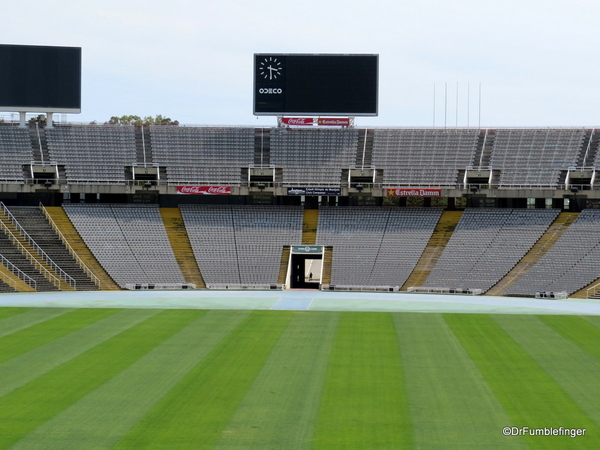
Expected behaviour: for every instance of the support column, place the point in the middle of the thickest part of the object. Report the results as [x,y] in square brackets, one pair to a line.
[49,120]
[22,123]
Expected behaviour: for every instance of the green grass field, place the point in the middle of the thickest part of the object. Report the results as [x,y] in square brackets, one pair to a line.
[194,379]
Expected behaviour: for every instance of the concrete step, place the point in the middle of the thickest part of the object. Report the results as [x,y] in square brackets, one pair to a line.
[435,247]
[182,248]
[309,226]
[541,247]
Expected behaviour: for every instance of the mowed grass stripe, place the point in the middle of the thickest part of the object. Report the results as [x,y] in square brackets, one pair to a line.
[580,332]
[530,397]
[280,409]
[26,367]
[451,405]
[11,311]
[195,412]
[364,402]
[594,320]
[29,318]
[101,418]
[39,334]
[28,407]
[575,370]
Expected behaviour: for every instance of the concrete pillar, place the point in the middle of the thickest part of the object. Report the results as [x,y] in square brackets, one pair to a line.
[22,123]
[48,120]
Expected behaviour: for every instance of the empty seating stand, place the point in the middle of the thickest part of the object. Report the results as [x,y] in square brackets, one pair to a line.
[15,151]
[375,246]
[572,263]
[420,157]
[534,158]
[93,153]
[202,155]
[313,157]
[129,241]
[241,245]
[486,244]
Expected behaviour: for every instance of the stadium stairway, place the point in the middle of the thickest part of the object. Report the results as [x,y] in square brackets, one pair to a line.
[283,268]
[436,245]
[327,262]
[583,293]
[36,261]
[33,220]
[13,254]
[11,282]
[182,249]
[70,234]
[309,226]
[541,247]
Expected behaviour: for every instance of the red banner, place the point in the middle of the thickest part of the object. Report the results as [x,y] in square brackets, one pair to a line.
[204,190]
[298,121]
[339,122]
[414,192]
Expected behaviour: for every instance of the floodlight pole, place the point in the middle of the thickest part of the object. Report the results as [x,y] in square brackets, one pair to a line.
[457,104]
[445,103]
[479,106]
[434,105]
[468,102]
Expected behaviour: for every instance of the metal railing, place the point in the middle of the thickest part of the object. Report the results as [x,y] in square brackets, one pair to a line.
[245,286]
[162,183]
[41,253]
[358,288]
[32,259]
[159,286]
[593,291]
[73,253]
[18,273]
[444,290]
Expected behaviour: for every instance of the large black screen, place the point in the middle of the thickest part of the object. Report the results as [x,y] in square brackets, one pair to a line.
[39,78]
[315,84]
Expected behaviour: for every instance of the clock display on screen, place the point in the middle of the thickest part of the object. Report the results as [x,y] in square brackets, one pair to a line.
[270,68]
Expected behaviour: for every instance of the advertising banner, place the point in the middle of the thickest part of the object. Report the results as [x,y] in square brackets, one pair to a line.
[334,122]
[314,191]
[204,190]
[298,121]
[414,192]
[307,249]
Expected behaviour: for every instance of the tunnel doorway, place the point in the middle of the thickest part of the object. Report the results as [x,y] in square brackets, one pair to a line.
[306,267]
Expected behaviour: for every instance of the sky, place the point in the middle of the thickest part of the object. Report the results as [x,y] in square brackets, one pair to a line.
[535,62]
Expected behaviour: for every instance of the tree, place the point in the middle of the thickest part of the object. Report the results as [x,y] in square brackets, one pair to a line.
[40,119]
[137,120]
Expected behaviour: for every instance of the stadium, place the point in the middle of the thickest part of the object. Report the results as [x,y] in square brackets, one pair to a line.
[304,285]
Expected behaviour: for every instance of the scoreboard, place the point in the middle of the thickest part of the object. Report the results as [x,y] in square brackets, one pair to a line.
[315,85]
[40,78]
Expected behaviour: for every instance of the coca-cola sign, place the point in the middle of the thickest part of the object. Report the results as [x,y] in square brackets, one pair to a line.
[298,121]
[414,192]
[204,190]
